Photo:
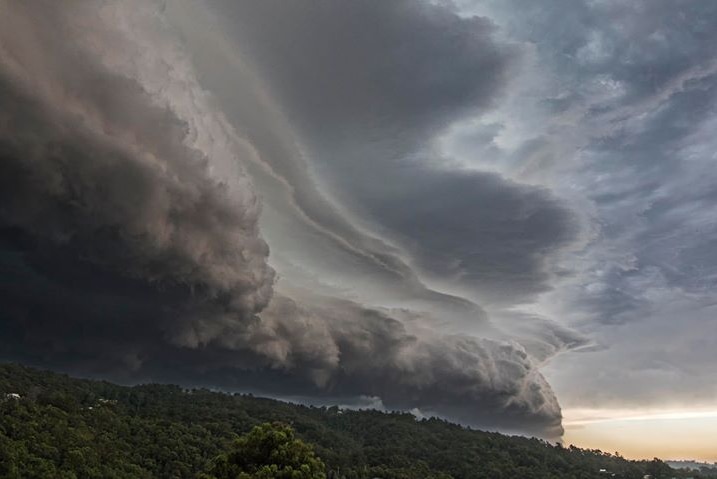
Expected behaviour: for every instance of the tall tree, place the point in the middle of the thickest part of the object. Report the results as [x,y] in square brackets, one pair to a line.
[269,451]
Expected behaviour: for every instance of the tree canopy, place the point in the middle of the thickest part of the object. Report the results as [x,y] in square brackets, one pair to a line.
[56,427]
[268,451]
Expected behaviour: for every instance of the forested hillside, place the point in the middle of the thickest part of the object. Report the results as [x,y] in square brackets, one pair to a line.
[54,426]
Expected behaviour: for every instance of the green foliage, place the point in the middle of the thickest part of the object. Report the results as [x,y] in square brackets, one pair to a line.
[70,429]
[269,451]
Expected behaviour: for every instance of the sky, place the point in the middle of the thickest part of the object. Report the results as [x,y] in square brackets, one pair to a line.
[499,212]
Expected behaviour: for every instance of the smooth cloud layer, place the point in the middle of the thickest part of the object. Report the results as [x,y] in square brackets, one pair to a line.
[367,106]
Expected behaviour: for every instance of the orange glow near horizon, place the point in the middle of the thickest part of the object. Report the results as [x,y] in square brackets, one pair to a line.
[636,434]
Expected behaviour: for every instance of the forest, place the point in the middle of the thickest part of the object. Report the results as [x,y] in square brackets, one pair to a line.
[54,426]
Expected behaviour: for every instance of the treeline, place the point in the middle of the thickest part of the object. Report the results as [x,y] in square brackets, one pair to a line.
[54,426]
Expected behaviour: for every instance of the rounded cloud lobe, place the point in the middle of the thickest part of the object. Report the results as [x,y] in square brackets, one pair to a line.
[130,245]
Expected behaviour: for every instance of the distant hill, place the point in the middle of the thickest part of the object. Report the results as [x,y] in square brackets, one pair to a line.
[693,465]
[54,426]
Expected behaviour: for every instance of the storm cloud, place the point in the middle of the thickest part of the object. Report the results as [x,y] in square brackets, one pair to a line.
[131,243]
[367,106]
[431,204]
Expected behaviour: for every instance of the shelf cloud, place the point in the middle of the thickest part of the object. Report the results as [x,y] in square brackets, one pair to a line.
[140,214]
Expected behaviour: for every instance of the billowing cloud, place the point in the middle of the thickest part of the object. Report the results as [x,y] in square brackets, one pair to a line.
[89,164]
[130,242]
[339,350]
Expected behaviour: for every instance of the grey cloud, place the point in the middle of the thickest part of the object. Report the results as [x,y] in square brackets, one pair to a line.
[643,45]
[636,115]
[285,169]
[660,361]
[648,44]
[103,204]
[635,83]
[361,66]
[479,230]
[146,210]
[364,100]
[330,349]
[123,255]
[336,349]
[544,339]
[367,102]
[657,207]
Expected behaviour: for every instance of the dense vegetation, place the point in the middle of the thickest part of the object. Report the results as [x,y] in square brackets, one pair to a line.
[708,470]
[269,451]
[60,427]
